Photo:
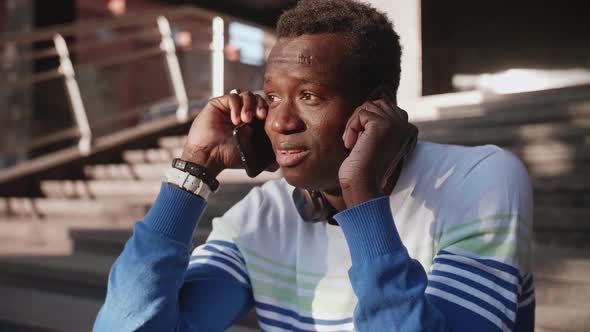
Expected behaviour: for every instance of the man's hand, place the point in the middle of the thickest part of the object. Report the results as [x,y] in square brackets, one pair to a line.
[209,141]
[375,134]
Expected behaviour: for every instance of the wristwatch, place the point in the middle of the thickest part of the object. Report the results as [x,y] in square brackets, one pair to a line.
[196,170]
[188,182]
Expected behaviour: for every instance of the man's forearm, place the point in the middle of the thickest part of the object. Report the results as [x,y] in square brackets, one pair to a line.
[145,280]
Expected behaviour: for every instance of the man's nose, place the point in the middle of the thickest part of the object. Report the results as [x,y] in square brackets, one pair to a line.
[286,119]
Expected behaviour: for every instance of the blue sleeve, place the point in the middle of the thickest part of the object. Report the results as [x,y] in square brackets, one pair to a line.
[150,287]
[391,287]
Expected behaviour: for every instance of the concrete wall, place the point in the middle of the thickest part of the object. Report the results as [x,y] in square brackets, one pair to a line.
[471,37]
[406,18]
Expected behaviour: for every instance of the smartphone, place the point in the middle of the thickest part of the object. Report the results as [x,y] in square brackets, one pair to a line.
[254,147]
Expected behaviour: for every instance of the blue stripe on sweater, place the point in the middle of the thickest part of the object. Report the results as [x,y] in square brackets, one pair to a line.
[474,300]
[489,262]
[287,326]
[302,319]
[276,323]
[491,277]
[223,260]
[225,244]
[221,252]
[489,291]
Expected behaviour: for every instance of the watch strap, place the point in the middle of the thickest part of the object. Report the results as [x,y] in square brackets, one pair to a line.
[188,182]
[197,171]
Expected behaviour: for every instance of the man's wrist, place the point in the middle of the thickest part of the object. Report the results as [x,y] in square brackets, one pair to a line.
[358,193]
[202,157]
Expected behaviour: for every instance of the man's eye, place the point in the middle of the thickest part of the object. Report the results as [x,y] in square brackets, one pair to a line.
[271,98]
[308,96]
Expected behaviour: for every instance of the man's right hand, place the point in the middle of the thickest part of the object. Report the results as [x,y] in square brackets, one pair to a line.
[209,141]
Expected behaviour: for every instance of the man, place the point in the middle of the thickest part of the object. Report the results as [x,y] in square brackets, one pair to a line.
[441,244]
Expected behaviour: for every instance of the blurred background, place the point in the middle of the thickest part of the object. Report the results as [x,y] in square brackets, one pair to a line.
[96,97]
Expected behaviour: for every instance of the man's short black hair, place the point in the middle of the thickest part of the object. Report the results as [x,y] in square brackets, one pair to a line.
[375,51]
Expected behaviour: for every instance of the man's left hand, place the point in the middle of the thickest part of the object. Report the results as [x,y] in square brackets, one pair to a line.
[375,134]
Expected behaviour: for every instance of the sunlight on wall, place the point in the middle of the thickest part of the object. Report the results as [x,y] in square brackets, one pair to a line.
[522,80]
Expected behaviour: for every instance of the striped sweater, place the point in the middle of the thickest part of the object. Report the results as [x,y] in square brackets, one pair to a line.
[449,249]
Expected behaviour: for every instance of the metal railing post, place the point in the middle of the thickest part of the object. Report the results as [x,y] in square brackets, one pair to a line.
[174,71]
[218,58]
[66,68]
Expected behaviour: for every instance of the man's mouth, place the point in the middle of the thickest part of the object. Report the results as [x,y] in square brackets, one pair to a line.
[290,157]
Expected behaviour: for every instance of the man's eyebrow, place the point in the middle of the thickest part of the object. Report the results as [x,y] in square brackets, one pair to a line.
[268,79]
[315,82]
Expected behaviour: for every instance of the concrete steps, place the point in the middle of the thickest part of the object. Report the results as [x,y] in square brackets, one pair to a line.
[171,142]
[60,286]
[103,189]
[485,116]
[81,227]
[77,283]
[136,191]
[141,171]
[551,292]
[64,208]
[45,224]
[53,312]
[561,318]
[22,236]
[112,242]
[156,155]
[550,219]
[34,308]
[31,238]
[509,136]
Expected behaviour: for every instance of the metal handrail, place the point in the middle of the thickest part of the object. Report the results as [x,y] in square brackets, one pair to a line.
[60,135]
[167,45]
[127,29]
[67,69]
[35,78]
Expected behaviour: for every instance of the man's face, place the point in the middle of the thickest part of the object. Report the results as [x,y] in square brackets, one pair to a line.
[308,109]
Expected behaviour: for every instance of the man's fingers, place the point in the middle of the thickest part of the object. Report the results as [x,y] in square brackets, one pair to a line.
[248,106]
[358,122]
[392,110]
[351,130]
[234,102]
[261,107]
[385,107]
